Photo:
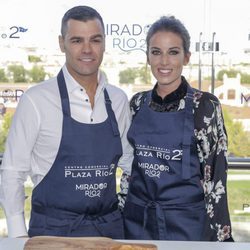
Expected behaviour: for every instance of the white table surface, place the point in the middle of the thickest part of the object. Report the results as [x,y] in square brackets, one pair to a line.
[18,244]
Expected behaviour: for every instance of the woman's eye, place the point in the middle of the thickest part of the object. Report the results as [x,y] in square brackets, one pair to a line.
[173,52]
[155,52]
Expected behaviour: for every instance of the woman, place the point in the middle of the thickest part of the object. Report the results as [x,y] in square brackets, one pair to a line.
[177,188]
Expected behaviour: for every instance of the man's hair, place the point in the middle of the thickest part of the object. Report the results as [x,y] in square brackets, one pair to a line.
[80,13]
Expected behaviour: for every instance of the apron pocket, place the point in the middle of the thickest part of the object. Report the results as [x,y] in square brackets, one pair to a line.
[133,223]
[185,222]
[36,224]
[133,212]
[56,227]
[110,225]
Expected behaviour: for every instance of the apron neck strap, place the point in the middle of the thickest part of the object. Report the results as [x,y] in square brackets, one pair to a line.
[111,115]
[187,134]
[66,107]
[148,97]
[63,93]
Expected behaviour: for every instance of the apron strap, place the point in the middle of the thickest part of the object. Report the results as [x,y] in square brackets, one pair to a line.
[148,97]
[165,204]
[111,114]
[187,135]
[63,93]
[160,219]
[77,219]
[66,107]
[159,209]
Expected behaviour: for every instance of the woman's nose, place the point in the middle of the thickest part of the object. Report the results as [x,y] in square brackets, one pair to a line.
[164,59]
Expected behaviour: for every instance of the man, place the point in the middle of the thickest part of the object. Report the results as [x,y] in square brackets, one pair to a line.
[69,135]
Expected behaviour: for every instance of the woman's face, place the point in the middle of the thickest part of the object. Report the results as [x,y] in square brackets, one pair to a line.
[166,57]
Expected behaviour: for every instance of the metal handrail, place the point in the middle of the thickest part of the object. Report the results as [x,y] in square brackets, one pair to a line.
[239,163]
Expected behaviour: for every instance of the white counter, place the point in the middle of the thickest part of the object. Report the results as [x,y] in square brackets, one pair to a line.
[18,244]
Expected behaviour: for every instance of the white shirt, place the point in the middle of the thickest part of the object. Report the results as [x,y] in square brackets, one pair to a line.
[35,135]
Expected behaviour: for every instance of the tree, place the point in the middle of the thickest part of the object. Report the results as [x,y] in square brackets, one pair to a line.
[18,73]
[34,59]
[230,73]
[3,77]
[238,139]
[245,78]
[5,129]
[128,75]
[144,74]
[37,74]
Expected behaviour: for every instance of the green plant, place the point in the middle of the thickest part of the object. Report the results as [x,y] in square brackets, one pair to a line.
[238,139]
[3,77]
[128,75]
[37,74]
[5,129]
[18,73]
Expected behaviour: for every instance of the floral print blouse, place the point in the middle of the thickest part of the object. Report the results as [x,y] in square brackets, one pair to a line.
[211,140]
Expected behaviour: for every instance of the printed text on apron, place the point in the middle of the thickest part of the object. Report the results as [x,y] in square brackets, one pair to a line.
[78,195]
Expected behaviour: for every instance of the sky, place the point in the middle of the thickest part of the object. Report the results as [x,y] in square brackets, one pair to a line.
[230,20]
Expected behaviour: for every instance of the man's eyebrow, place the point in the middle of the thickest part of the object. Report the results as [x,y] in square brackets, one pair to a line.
[75,37]
[92,37]
[97,36]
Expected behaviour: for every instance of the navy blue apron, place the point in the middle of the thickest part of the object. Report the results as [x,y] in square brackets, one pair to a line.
[78,195]
[165,199]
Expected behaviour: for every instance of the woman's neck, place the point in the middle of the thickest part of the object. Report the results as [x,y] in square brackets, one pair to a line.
[164,90]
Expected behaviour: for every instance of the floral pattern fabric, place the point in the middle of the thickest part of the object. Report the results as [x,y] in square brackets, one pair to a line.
[211,138]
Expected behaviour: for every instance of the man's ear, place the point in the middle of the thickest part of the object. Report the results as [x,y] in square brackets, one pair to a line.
[61,43]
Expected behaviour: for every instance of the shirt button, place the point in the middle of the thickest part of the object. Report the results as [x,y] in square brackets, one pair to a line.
[81,89]
[91,119]
[86,100]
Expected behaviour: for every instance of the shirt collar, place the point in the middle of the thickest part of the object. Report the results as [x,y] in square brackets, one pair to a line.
[178,94]
[72,84]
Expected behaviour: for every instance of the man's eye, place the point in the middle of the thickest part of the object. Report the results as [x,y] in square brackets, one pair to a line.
[97,40]
[76,41]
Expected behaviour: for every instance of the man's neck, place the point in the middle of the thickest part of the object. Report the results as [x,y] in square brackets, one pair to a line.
[89,83]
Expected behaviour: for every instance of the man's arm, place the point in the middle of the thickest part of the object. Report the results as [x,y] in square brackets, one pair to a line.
[125,162]
[16,165]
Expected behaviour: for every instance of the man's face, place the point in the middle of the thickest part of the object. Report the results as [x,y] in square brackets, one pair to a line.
[83,45]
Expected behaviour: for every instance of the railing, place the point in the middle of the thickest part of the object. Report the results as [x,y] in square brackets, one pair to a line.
[238,163]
